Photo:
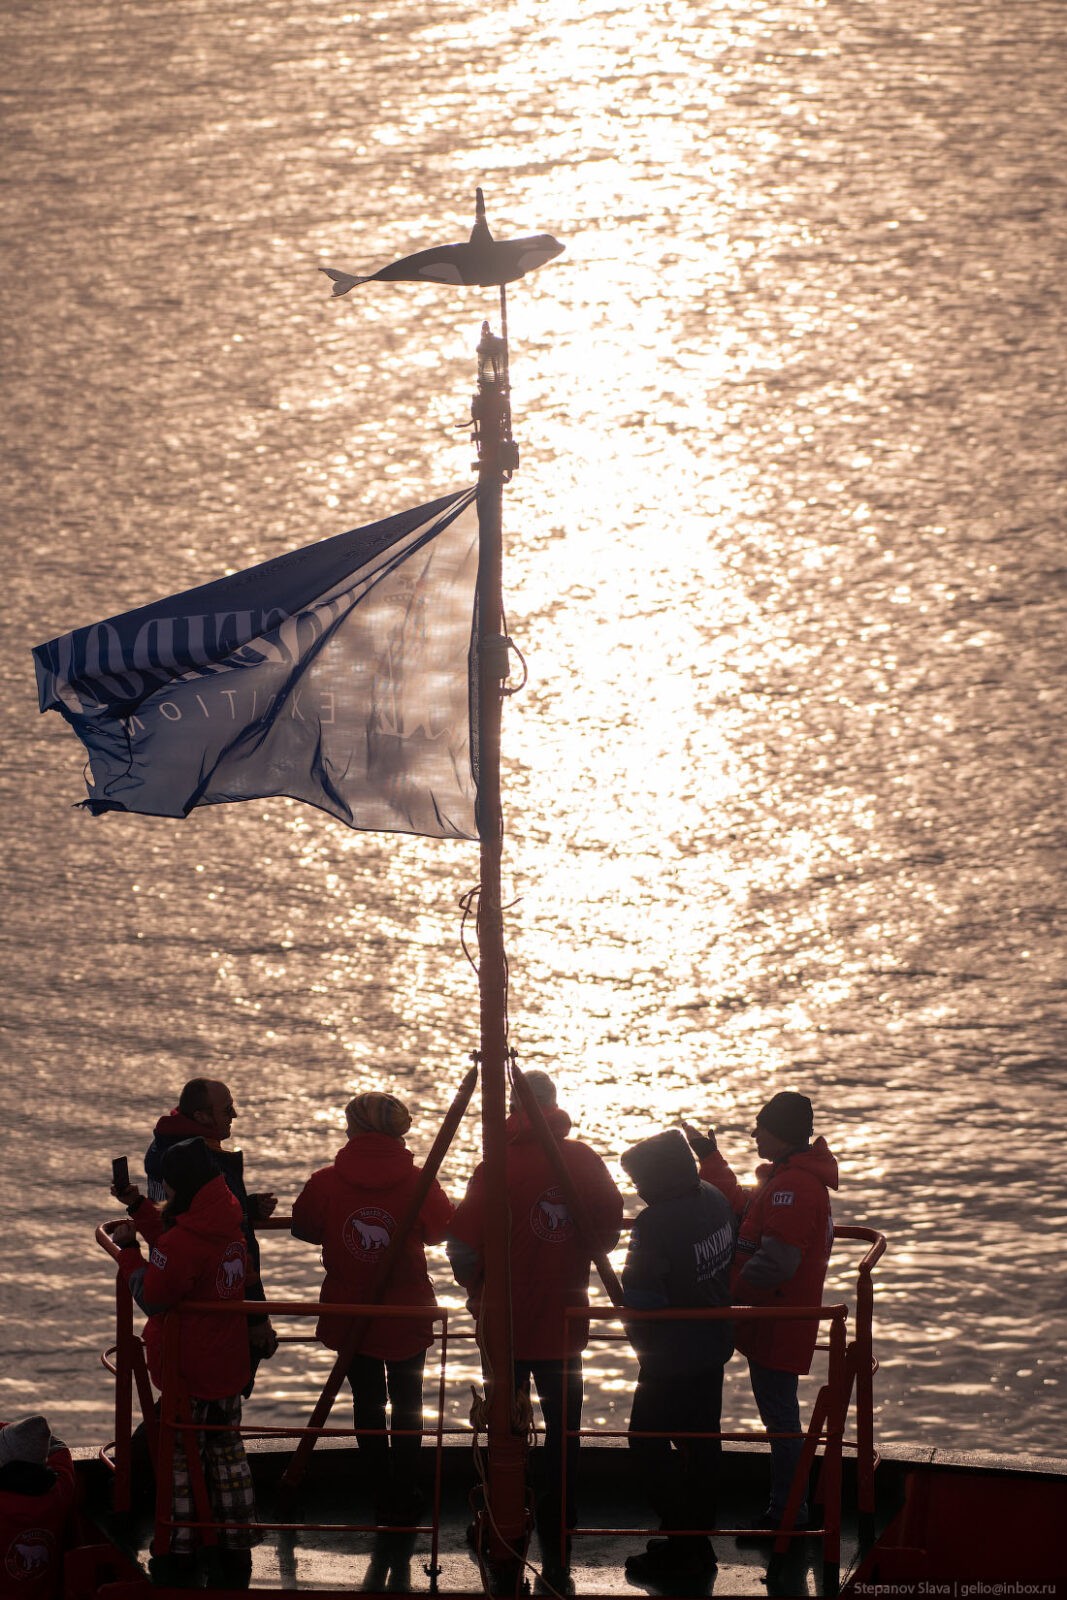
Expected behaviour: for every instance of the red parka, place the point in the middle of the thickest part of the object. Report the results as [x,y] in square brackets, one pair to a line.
[35,1529]
[550,1260]
[352,1210]
[790,1202]
[201,1257]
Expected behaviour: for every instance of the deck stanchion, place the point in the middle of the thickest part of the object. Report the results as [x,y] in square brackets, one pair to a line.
[802,1474]
[122,1491]
[865,1365]
[861,1369]
[168,1401]
[433,1569]
[129,1370]
[837,1401]
[865,1458]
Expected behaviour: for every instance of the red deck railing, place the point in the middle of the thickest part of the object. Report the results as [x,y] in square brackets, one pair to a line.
[850,1372]
[125,1359]
[827,1425]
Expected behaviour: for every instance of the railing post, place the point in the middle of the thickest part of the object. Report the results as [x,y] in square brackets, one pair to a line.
[434,1567]
[802,1473]
[124,1336]
[168,1403]
[862,1370]
[564,1429]
[837,1403]
[865,1404]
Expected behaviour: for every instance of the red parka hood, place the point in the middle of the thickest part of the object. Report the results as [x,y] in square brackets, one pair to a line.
[213,1214]
[174,1126]
[519,1128]
[817,1159]
[374,1161]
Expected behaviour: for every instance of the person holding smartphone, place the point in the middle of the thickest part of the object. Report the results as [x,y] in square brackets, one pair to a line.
[206,1110]
[198,1253]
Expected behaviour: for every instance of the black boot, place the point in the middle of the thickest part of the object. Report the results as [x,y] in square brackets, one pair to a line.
[228,1569]
[173,1571]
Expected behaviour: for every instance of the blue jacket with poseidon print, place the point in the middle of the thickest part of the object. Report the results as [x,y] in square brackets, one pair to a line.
[681,1248]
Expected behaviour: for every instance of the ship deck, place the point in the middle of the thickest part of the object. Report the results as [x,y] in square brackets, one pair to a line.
[315,1560]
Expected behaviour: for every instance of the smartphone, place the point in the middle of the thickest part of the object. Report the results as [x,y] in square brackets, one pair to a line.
[120,1173]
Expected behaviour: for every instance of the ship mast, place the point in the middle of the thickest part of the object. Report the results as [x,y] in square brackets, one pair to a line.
[503,1524]
[505,1532]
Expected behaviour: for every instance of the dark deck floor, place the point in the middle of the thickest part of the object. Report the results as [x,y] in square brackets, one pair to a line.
[313,1560]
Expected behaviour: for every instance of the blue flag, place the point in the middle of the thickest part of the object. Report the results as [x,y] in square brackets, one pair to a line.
[340,674]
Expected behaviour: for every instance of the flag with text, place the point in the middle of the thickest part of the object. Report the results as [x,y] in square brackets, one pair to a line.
[339,674]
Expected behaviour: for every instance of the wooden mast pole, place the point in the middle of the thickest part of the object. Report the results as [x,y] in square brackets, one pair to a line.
[506,1532]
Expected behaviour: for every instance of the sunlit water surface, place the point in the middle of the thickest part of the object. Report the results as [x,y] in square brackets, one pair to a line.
[785,556]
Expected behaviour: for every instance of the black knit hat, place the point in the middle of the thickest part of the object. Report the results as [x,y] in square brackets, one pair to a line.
[788,1116]
[187,1167]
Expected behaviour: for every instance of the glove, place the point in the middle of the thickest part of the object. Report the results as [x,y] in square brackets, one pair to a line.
[701,1144]
[262,1338]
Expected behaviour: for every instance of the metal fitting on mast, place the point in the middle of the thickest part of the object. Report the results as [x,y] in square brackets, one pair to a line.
[491,404]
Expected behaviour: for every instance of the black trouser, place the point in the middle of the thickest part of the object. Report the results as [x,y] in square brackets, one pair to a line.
[679,1483]
[548,1376]
[373,1381]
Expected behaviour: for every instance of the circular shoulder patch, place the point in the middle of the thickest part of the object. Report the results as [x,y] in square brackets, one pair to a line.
[368,1232]
[230,1278]
[550,1219]
[30,1553]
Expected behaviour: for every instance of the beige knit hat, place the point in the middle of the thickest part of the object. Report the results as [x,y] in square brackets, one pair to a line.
[540,1086]
[378,1113]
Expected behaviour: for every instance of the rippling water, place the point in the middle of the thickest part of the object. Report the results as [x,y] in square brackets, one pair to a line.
[785,556]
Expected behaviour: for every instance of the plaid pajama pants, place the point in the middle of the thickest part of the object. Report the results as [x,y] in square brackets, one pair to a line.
[226,1474]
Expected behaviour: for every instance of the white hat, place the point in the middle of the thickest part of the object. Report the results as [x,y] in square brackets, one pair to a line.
[28,1440]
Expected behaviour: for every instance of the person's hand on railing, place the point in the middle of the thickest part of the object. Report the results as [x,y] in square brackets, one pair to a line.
[261,1206]
[701,1144]
[122,1233]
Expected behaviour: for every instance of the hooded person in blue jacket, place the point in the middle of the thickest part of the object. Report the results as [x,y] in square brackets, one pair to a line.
[681,1249]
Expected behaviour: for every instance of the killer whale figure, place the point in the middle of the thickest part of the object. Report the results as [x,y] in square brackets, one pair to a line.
[482,262]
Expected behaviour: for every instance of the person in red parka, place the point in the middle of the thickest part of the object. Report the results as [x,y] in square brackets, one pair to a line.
[36,1509]
[352,1209]
[198,1252]
[550,1262]
[785,1234]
